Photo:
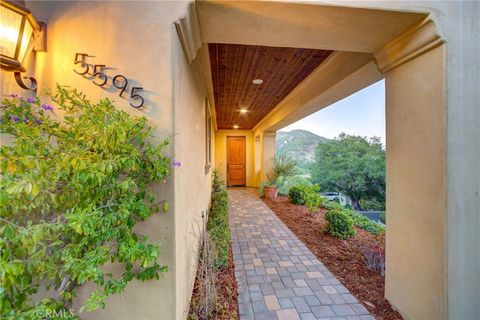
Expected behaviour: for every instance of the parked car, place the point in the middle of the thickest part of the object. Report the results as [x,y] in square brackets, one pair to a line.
[332,196]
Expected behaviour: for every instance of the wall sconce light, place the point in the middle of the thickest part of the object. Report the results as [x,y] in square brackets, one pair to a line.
[19,34]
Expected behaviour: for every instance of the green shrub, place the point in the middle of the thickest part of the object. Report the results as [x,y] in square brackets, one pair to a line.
[312,199]
[291,182]
[383,217]
[358,219]
[217,224]
[363,222]
[296,195]
[372,204]
[330,205]
[306,195]
[71,193]
[340,225]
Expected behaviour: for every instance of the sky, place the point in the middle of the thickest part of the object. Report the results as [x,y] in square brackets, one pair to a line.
[362,113]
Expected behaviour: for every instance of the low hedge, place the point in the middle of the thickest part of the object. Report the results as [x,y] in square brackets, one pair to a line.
[340,225]
[306,195]
[217,224]
[363,222]
[295,195]
[358,219]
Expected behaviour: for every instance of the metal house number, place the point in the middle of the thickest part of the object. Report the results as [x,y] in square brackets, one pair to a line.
[101,79]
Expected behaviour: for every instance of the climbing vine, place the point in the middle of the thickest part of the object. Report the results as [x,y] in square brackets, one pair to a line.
[76,179]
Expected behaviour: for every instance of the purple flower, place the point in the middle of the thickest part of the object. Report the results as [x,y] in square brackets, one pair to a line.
[38,121]
[13,95]
[25,120]
[176,163]
[30,100]
[47,107]
[14,118]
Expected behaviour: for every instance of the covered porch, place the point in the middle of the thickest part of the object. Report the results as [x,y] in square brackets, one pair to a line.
[221,78]
[269,64]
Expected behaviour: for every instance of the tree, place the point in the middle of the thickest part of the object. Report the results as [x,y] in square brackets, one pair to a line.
[352,165]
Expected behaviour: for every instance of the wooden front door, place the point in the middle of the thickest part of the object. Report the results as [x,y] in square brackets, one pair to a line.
[236,169]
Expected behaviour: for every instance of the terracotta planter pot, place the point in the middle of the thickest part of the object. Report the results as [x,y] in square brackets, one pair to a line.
[271,192]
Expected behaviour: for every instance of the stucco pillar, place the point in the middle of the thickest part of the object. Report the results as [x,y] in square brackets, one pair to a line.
[440,90]
[416,175]
[257,164]
[268,153]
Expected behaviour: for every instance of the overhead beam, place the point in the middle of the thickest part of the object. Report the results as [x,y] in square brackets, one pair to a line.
[341,75]
[301,25]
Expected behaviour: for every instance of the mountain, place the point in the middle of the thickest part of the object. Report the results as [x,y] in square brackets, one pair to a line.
[300,144]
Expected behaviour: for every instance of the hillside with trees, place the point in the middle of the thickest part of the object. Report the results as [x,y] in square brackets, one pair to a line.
[299,144]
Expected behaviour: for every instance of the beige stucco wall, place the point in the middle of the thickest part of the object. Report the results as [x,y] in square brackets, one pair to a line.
[221,152]
[139,41]
[192,180]
[416,189]
[263,155]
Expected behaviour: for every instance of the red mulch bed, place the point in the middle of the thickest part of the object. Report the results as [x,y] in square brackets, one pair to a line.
[226,285]
[341,257]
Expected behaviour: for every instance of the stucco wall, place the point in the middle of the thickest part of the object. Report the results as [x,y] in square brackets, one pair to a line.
[416,189]
[263,155]
[221,153]
[139,41]
[192,180]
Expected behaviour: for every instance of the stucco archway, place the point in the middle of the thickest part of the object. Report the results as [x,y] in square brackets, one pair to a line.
[405,49]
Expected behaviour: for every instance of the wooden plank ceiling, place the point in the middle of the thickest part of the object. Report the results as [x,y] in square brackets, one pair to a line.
[234,67]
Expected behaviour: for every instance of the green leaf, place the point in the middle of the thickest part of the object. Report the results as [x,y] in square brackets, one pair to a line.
[20,252]
[6,254]
[5,306]
[166,206]
[35,190]
[9,232]
[124,185]
[3,198]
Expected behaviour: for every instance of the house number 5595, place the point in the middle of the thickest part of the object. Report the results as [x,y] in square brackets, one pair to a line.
[95,73]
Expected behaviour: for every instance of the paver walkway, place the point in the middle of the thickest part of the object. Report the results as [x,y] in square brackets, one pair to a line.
[277,276]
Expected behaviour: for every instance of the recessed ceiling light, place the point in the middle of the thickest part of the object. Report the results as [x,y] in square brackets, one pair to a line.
[243,110]
[257,81]
[235,126]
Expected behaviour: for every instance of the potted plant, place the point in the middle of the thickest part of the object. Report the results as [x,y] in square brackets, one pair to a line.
[284,166]
[270,189]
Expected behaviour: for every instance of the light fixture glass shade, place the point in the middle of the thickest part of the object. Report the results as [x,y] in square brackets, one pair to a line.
[16,35]
[10,23]
[26,45]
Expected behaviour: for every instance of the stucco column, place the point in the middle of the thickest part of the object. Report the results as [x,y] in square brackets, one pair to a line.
[267,153]
[416,175]
[257,164]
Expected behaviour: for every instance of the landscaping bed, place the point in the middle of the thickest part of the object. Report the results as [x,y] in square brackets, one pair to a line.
[226,292]
[215,290]
[342,257]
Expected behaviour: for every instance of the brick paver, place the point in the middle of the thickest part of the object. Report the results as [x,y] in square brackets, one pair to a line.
[278,277]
